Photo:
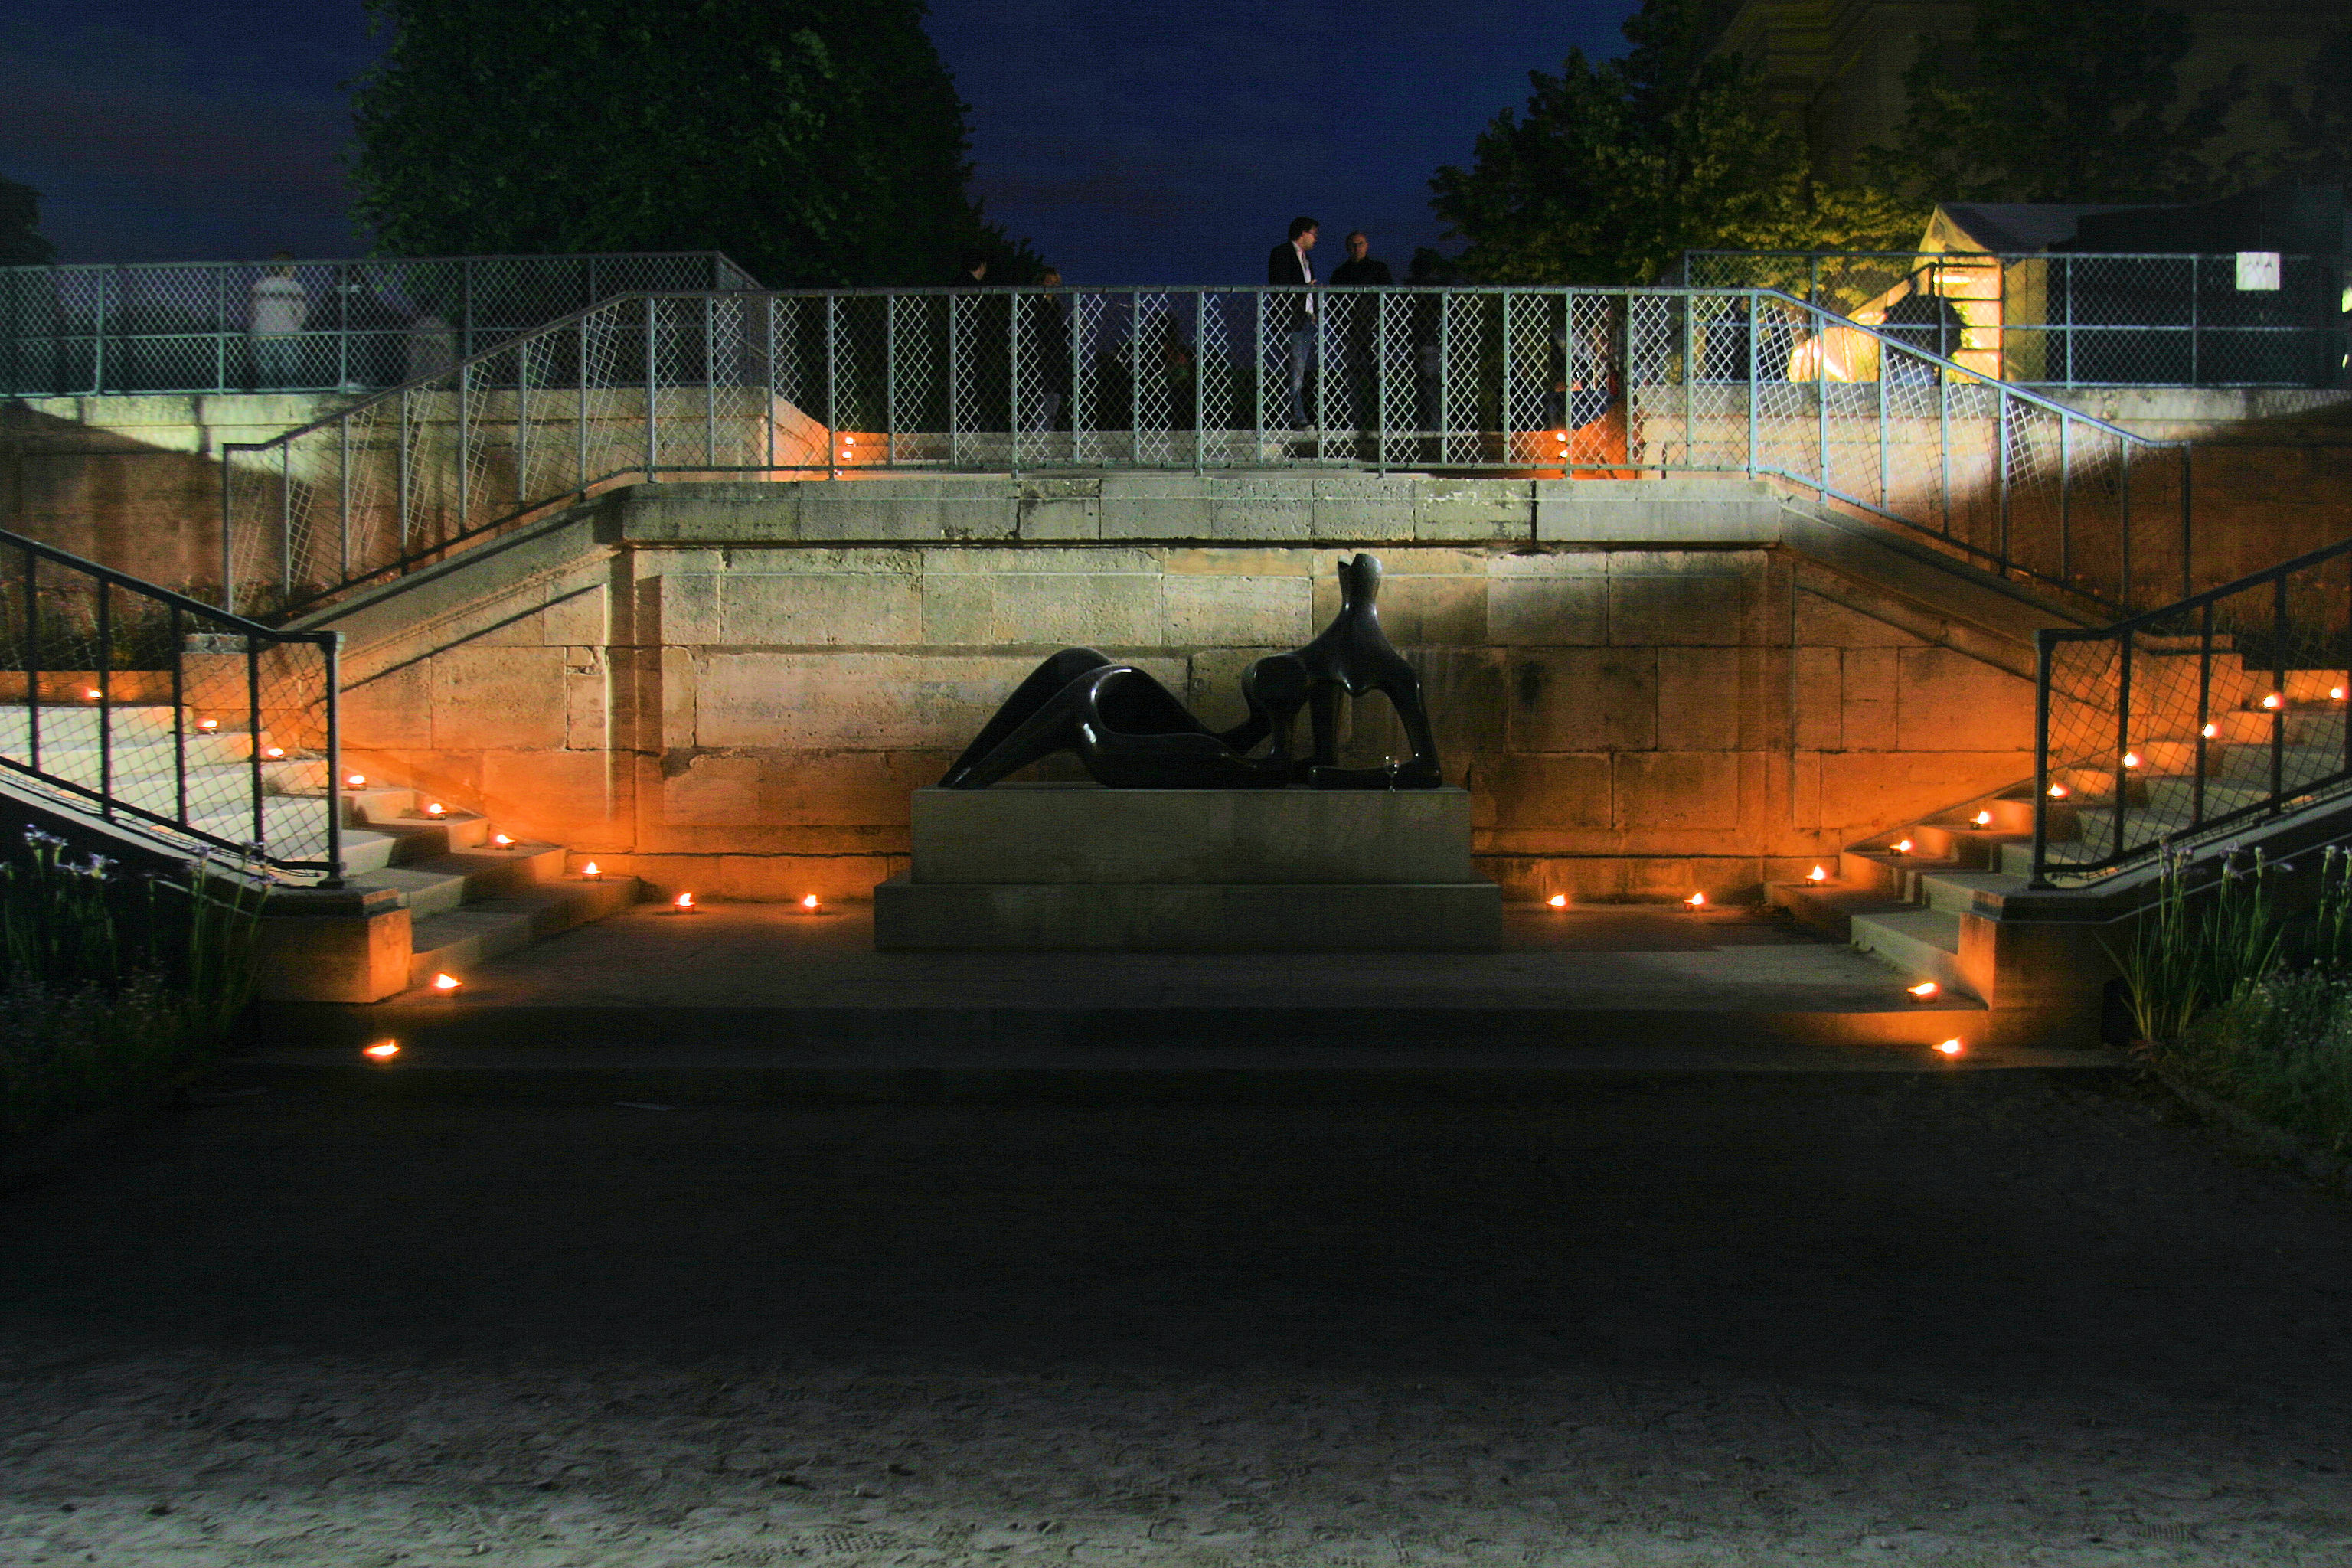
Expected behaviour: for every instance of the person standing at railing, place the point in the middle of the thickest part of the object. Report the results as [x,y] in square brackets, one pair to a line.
[1359,322]
[276,307]
[1044,355]
[1288,265]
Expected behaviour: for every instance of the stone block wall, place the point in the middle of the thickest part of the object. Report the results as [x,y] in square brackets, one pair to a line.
[734,688]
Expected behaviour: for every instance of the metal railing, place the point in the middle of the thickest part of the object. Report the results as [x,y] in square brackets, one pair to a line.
[1531,382]
[222,326]
[2190,719]
[145,707]
[2074,319]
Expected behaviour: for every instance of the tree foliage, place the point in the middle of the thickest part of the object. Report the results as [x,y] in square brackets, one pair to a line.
[2316,124]
[815,141]
[1614,167]
[21,243]
[2056,100]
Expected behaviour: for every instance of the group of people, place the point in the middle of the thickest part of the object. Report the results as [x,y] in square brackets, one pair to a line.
[1291,263]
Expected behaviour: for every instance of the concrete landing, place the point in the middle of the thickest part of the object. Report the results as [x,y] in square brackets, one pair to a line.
[765,1001]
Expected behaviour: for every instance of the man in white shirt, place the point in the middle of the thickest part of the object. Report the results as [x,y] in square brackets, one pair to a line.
[277,306]
[1288,265]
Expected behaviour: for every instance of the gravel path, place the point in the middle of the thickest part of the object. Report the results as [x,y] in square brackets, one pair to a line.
[1989,1318]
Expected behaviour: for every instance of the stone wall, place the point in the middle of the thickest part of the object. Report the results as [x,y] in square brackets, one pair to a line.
[1648,686]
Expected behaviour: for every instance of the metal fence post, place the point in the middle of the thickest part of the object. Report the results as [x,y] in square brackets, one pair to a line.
[653,372]
[98,339]
[286,517]
[2123,734]
[105,699]
[2044,645]
[253,740]
[1755,306]
[832,384]
[709,383]
[179,716]
[955,377]
[890,379]
[2195,316]
[578,402]
[2204,713]
[331,651]
[465,447]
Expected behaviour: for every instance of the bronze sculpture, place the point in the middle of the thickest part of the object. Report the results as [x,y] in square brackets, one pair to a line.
[1132,732]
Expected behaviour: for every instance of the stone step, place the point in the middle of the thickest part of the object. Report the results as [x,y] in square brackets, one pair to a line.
[436,884]
[1829,906]
[1954,892]
[1888,875]
[1919,941]
[455,941]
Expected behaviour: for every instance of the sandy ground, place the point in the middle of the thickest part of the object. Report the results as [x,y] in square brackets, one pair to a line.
[1999,1318]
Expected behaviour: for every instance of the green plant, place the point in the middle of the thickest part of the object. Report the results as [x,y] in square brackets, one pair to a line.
[2284,1051]
[2209,936]
[111,981]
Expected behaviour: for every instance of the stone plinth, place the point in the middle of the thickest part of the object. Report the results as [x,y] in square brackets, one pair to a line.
[1076,867]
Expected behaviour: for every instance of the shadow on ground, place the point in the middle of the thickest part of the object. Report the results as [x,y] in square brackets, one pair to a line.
[1992,1318]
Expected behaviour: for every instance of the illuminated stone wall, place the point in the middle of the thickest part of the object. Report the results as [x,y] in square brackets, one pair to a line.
[1649,687]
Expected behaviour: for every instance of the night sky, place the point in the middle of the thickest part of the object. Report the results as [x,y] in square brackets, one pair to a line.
[1167,143]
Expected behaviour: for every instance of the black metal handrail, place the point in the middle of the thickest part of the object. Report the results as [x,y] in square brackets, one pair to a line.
[2295,617]
[67,615]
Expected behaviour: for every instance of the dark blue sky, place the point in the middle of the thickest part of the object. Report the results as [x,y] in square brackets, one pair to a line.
[1131,144]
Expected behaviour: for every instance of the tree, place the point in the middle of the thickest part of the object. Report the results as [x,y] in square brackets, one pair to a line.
[2315,127]
[815,141]
[1615,167]
[2056,100]
[20,226]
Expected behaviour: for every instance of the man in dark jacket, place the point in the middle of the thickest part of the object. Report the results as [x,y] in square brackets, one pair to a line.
[1288,264]
[1357,325]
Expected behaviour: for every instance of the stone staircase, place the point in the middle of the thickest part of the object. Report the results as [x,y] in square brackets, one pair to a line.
[1907,897]
[429,890]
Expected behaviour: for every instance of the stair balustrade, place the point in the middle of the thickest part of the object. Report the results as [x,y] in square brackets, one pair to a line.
[1532,383]
[2187,721]
[167,716]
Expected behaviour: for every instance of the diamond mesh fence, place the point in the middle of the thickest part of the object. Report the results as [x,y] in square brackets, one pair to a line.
[1538,383]
[2183,724]
[2075,320]
[162,713]
[305,326]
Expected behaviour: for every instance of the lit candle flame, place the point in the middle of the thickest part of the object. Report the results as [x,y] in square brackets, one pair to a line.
[501,840]
[1818,874]
[590,871]
[2211,731]
[2336,694]
[1903,847]
[1982,819]
[436,809]
[273,752]
[2273,701]
[382,1050]
[357,781]
[1926,989]
[809,903]
[446,982]
[1558,901]
[1948,1048]
[683,902]
[2058,792]
[201,723]
[1696,900]
[2131,758]
[89,693]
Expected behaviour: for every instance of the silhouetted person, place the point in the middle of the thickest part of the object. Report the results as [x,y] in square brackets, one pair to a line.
[1288,264]
[1044,355]
[276,307]
[973,273]
[1360,269]
[1357,321]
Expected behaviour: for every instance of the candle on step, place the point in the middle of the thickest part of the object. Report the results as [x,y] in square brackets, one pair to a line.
[2058,792]
[503,840]
[444,983]
[1982,819]
[273,752]
[1925,990]
[1902,846]
[590,871]
[435,808]
[382,1050]
[1696,901]
[1558,901]
[809,903]
[356,781]
[1818,874]
[1948,1048]
[683,903]
[208,723]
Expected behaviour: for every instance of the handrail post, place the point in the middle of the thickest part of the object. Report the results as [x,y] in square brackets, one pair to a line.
[1754,304]
[2123,734]
[105,699]
[1013,303]
[1380,382]
[331,651]
[2278,687]
[2204,713]
[2044,643]
[955,411]
[889,375]
[286,516]
[709,384]
[179,716]
[253,738]
[228,546]
[653,376]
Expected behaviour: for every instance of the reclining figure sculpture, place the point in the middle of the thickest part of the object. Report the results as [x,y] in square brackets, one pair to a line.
[1132,732]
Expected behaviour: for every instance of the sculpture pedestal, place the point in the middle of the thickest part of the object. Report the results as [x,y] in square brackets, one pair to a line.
[1034,867]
